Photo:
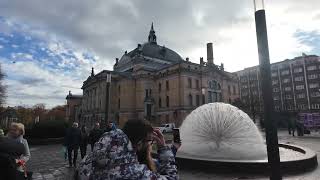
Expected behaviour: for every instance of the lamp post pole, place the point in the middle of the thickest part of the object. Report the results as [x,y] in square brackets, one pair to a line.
[108,81]
[265,74]
[203,91]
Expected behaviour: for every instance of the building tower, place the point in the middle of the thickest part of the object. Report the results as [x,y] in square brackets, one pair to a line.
[152,38]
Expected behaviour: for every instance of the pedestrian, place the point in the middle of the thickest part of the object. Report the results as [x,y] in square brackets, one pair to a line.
[293,125]
[1,133]
[10,150]
[95,134]
[16,132]
[84,141]
[120,156]
[72,141]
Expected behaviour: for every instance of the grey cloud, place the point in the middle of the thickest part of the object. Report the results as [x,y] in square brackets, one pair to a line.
[111,27]
[31,81]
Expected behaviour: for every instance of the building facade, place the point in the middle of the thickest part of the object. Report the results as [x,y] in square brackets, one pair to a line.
[153,82]
[73,110]
[295,85]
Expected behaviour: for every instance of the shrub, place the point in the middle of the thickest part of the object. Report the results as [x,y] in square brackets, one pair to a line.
[47,129]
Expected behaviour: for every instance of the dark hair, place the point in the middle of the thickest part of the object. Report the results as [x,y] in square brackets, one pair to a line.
[137,130]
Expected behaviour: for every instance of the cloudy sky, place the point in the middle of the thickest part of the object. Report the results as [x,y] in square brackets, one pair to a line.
[48,47]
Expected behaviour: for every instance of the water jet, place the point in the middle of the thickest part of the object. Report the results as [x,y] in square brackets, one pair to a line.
[221,137]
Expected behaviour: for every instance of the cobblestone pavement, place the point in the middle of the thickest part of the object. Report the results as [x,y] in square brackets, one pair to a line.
[47,163]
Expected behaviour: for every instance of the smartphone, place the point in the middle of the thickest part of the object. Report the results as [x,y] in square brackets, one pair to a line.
[176,135]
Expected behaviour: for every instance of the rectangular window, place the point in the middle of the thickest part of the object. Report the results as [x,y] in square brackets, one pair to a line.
[275,89]
[229,89]
[160,103]
[314,85]
[198,100]
[287,88]
[274,82]
[189,83]
[197,84]
[274,74]
[315,94]
[190,100]
[209,97]
[301,96]
[288,96]
[234,90]
[299,87]
[159,87]
[302,106]
[285,72]
[286,80]
[167,85]
[312,76]
[297,70]
[311,68]
[167,101]
[300,78]
[276,98]
[146,95]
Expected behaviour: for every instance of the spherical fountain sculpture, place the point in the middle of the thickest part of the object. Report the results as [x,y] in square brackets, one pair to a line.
[221,136]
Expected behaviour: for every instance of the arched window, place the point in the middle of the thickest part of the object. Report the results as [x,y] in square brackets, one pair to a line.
[214,85]
[190,100]
[167,101]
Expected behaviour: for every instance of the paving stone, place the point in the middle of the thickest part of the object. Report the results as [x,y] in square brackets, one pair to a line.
[47,162]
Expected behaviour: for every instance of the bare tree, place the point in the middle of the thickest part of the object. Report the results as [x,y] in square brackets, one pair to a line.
[2,88]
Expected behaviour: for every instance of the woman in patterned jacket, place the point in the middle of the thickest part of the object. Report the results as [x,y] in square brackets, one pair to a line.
[116,157]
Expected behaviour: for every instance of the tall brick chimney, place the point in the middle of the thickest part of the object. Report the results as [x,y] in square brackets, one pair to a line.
[209,54]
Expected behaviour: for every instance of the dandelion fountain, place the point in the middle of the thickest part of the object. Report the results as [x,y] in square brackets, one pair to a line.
[219,136]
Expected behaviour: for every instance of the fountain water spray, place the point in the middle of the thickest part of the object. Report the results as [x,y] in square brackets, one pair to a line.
[221,131]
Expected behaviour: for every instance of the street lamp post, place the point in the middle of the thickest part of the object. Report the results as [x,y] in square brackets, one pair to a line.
[108,81]
[264,63]
[203,92]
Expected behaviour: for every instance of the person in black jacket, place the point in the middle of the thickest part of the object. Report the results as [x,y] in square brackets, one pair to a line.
[83,142]
[72,141]
[95,134]
[9,150]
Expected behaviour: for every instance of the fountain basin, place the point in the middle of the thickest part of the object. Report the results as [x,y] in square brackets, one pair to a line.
[294,159]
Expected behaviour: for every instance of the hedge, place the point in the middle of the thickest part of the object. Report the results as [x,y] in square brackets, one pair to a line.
[47,129]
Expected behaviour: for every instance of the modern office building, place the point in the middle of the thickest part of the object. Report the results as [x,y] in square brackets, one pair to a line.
[295,84]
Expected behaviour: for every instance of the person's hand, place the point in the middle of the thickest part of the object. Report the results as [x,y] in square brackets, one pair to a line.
[177,145]
[158,136]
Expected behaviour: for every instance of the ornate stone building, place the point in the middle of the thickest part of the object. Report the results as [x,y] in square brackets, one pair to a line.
[155,83]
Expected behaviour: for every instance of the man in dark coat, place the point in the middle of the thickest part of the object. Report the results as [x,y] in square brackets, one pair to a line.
[95,135]
[72,142]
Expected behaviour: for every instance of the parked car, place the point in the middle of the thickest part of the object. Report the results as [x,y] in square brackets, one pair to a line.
[165,128]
